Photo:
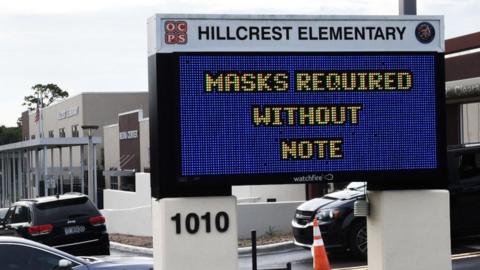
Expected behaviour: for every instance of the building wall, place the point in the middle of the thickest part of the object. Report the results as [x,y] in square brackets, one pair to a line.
[103,108]
[111,146]
[51,119]
[129,139]
[53,122]
[144,144]
[462,64]
[94,108]
[25,126]
[123,210]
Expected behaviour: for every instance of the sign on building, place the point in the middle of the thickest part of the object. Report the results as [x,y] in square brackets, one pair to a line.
[296,99]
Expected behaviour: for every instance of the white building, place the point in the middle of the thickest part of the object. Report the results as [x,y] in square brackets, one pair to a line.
[54,147]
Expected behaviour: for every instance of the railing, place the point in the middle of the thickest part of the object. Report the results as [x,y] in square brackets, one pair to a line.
[254,255]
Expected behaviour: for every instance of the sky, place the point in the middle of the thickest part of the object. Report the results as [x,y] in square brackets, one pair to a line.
[101,45]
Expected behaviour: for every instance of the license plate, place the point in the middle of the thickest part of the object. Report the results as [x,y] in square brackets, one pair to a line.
[74,229]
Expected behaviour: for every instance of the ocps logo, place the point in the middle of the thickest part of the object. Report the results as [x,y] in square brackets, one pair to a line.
[176,32]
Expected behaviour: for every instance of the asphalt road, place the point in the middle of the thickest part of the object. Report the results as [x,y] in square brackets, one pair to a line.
[466,256]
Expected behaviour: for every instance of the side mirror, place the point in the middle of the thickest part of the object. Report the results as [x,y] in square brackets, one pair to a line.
[64,264]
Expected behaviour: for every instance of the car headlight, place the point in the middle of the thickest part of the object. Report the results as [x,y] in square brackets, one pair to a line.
[328,214]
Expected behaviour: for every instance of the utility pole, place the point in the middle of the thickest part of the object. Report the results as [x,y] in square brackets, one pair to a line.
[407,7]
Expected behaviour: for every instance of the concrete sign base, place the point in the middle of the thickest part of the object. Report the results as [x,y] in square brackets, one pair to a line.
[195,233]
[409,229]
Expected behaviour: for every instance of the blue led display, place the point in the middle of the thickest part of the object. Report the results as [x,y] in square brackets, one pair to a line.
[240,114]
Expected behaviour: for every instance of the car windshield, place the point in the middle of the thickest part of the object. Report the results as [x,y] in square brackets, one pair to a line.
[64,209]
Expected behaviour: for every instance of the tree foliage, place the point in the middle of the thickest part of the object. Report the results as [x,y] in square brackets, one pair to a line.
[10,134]
[44,94]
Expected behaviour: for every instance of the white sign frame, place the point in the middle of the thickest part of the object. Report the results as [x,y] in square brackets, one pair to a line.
[306,34]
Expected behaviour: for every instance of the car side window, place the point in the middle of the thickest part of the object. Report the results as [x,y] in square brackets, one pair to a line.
[469,167]
[21,214]
[31,258]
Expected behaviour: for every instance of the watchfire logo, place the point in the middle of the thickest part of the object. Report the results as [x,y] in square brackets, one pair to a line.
[314,178]
[176,32]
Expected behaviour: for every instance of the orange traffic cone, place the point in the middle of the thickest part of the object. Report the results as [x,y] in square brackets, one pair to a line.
[320,259]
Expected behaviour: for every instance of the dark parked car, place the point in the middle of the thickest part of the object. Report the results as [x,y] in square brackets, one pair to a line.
[23,254]
[342,230]
[68,222]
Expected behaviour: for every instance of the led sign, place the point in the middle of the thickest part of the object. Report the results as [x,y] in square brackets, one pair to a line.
[246,116]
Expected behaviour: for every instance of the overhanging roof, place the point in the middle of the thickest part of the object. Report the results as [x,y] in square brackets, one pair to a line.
[49,143]
[119,173]
[463,91]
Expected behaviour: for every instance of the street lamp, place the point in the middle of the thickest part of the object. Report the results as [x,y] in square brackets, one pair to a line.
[92,181]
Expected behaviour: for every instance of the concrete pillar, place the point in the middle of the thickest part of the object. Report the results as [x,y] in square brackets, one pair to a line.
[95,183]
[9,179]
[82,168]
[53,172]
[90,170]
[45,171]
[60,157]
[409,229]
[70,168]
[407,7]
[14,176]
[20,175]
[28,175]
[37,174]
[2,199]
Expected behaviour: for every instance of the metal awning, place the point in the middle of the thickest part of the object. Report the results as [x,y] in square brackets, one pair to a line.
[463,91]
[24,166]
[49,143]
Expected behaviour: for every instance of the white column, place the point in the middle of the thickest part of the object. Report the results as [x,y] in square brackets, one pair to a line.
[14,177]
[82,168]
[53,171]
[215,249]
[2,201]
[28,175]
[90,170]
[37,174]
[9,179]
[95,183]
[45,170]
[21,193]
[409,229]
[60,156]
[70,168]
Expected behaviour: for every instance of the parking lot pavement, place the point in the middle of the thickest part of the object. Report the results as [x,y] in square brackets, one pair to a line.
[466,256]
[299,257]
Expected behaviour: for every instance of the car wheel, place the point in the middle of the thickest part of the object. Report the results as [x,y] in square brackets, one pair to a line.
[358,240]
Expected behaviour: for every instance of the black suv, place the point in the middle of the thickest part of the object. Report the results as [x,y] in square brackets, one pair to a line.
[68,222]
[342,230]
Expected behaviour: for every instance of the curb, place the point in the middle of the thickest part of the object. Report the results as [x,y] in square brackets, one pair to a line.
[130,248]
[241,251]
[268,247]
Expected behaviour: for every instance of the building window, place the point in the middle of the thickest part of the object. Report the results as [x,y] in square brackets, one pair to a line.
[32,137]
[61,133]
[75,131]
[50,133]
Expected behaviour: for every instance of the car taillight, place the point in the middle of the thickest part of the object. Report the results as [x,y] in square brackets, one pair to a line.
[40,229]
[97,221]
